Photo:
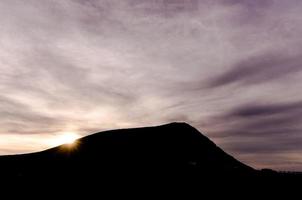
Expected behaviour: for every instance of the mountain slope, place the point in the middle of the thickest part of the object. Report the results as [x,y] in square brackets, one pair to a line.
[163,150]
[172,158]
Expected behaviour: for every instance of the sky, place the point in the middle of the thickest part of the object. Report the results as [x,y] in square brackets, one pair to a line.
[230,68]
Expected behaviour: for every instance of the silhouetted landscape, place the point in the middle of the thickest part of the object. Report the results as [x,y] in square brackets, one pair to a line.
[173,154]
[230,68]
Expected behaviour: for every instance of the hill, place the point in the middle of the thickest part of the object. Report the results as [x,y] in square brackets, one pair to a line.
[173,154]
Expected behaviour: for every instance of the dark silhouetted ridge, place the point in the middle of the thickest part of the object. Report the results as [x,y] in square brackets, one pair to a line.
[175,153]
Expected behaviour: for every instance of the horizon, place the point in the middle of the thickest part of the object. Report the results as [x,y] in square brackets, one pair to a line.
[232,69]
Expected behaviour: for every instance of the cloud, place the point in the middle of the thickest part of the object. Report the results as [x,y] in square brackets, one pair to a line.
[259,110]
[261,129]
[259,69]
[262,120]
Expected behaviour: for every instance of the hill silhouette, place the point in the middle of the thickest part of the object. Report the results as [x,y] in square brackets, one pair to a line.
[172,154]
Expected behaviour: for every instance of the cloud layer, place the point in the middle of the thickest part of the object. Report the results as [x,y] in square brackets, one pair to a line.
[231,68]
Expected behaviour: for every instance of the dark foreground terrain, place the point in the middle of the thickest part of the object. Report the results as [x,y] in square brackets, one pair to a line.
[173,156]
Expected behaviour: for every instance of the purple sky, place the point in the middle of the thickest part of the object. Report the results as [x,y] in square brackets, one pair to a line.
[230,68]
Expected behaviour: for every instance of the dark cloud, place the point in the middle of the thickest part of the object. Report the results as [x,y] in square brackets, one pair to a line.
[167,7]
[253,120]
[259,110]
[254,131]
[250,4]
[259,69]
[267,146]
[265,130]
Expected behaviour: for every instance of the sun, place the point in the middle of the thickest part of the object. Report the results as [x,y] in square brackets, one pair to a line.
[67,138]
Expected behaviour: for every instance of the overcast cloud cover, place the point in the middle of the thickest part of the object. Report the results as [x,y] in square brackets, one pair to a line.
[230,68]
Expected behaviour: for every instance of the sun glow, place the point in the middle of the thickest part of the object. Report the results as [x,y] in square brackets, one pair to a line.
[68,138]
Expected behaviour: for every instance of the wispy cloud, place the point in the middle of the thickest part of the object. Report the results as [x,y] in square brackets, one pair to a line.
[259,69]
